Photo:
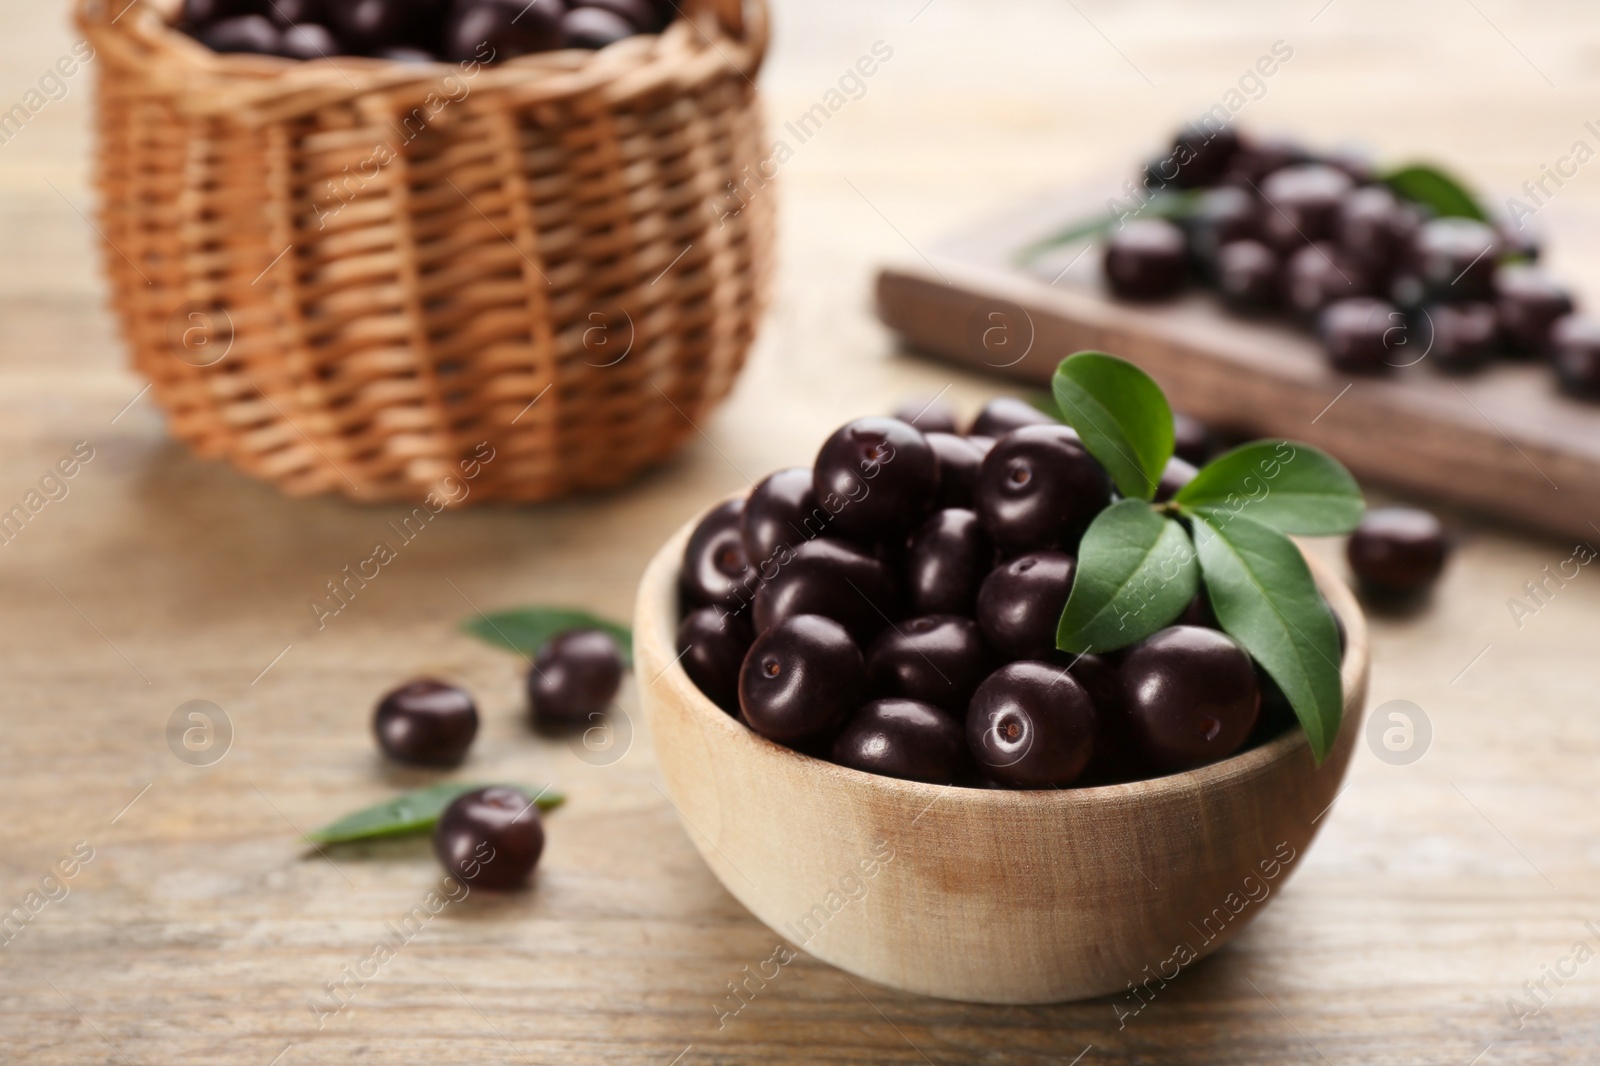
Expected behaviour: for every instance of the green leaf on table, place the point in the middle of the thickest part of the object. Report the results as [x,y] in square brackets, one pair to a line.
[1264,597]
[1136,573]
[527,629]
[413,813]
[1292,487]
[1432,187]
[1122,416]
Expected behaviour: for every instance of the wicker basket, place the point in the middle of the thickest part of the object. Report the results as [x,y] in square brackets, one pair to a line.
[355,275]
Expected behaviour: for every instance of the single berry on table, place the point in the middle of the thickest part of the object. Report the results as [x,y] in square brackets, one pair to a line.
[490,838]
[426,722]
[1397,551]
[574,678]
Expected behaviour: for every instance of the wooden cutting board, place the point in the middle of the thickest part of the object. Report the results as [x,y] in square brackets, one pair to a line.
[1504,442]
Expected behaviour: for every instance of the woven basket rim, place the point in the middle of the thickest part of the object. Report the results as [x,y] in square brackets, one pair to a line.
[140,34]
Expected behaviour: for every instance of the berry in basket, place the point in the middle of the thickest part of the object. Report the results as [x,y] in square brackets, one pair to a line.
[417,30]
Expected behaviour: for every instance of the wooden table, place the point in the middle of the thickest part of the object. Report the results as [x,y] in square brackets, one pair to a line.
[202,930]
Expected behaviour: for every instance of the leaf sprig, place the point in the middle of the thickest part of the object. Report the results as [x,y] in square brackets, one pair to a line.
[1140,563]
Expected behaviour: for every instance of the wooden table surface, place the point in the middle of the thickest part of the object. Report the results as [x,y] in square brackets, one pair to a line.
[202,930]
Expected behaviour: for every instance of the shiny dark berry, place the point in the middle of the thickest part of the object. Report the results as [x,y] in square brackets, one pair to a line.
[247,33]
[948,558]
[1222,215]
[780,510]
[711,646]
[1397,551]
[937,659]
[1031,725]
[1249,276]
[1039,488]
[1317,275]
[307,40]
[1019,604]
[1528,302]
[959,461]
[1575,349]
[1147,259]
[832,579]
[1003,414]
[426,722]
[1362,334]
[1455,258]
[490,838]
[1459,337]
[1192,441]
[800,679]
[715,568]
[593,27]
[907,739]
[1375,230]
[286,13]
[372,24]
[1259,157]
[878,477]
[1191,695]
[927,414]
[574,678]
[1302,205]
[1177,474]
[1200,155]
[198,14]
[501,29]
[642,15]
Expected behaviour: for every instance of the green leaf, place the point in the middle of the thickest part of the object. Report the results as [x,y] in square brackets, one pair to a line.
[1174,206]
[527,629]
[1122,416]
[413,813]
[1289,486]
[1136,573]
[1432,187]
[1265,598]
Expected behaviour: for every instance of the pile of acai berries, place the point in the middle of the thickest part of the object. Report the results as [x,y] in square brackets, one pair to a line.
[894,608]
[1390,269]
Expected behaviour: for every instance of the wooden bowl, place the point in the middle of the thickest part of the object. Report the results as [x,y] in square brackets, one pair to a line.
[978,894]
